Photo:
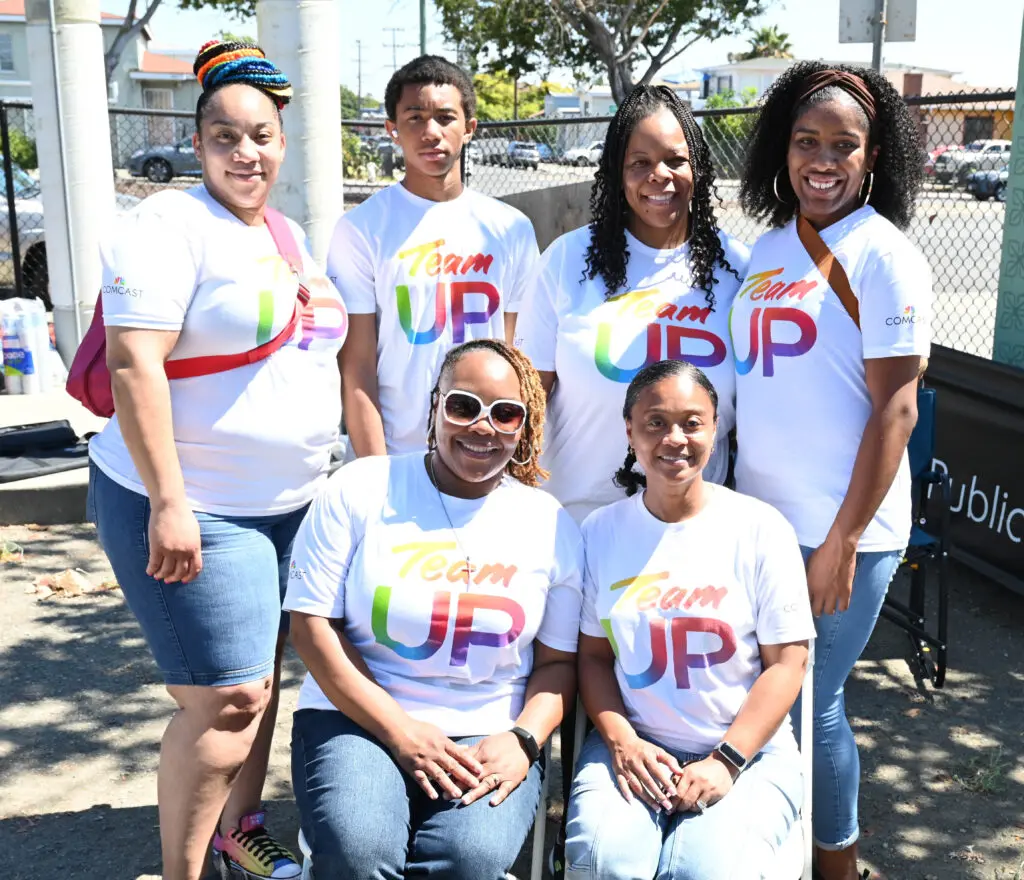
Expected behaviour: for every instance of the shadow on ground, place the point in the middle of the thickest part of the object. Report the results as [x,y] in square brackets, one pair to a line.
[82,709]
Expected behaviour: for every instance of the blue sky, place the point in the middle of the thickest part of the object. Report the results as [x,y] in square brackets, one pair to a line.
[979,38]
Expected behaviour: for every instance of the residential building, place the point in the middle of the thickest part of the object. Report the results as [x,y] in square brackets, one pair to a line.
[940,124]
[143,79]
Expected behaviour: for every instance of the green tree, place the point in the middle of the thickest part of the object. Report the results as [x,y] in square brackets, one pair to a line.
[766,42]
[350,103]
[23,150]
[501,37]
[495,99]
[591,36]
[136,19]
[727,135]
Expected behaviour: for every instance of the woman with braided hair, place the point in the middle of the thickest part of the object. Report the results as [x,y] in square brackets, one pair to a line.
[831,331]
[436,602]
[222,343]
[650,278]
[693,647]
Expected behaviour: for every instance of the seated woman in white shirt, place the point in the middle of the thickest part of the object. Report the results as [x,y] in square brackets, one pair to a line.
[435,600]
[693,647]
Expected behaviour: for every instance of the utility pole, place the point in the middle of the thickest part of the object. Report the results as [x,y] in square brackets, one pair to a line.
[423,27]
[394,46]
[359,77]
[878,44]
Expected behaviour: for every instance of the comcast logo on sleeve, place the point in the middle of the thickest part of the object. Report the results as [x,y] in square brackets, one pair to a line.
[909,316]
[120,288]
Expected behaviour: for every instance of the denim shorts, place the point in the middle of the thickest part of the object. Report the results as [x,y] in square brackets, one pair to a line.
[222,628]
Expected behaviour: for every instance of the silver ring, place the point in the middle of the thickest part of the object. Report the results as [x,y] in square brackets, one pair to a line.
[701,806]
[495,779]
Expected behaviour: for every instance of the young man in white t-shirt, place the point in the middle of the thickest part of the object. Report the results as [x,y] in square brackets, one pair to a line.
[423,265]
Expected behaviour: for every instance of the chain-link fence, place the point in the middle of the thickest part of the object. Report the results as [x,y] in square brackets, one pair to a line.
[958,223]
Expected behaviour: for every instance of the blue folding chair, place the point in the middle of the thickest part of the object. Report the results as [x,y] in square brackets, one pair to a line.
[928,549]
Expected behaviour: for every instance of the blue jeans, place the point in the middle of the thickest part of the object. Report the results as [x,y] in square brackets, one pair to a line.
[365,819]
[841,638]
[222,628]
[610,838]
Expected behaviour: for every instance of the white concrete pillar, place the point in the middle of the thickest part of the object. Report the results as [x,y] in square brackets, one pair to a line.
[69,98]
[302,38]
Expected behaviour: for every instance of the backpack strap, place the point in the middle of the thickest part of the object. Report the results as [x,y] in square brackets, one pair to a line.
[288,248]
[829,266]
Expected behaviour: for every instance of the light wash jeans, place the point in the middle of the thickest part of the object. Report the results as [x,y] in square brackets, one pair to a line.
[841,639]
[364,818]
[610,838]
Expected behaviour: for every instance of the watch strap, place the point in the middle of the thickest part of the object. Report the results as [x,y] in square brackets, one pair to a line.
[528,742]
[731,755]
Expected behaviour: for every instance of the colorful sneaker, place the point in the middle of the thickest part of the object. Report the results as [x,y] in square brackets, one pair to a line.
[250,851]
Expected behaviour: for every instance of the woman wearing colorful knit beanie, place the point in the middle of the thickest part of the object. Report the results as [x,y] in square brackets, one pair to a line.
[222,340]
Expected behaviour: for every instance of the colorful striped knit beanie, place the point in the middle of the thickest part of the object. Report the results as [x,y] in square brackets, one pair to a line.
[222,62]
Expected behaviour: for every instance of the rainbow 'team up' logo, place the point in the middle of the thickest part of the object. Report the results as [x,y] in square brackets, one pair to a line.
[414,300]
[647,596]
[667,336]
[767,325]
[502,617]
[119,281]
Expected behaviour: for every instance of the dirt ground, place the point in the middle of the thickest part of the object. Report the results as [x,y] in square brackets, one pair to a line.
[81,714]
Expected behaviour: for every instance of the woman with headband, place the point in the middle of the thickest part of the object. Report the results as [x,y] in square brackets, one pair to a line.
[222,344]
[830,332]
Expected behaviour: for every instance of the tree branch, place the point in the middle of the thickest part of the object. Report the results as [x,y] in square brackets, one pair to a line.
[643,33]
[130,28]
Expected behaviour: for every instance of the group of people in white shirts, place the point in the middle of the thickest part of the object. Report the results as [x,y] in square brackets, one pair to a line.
[538,501]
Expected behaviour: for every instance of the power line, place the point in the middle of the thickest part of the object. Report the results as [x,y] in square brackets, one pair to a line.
[394,45]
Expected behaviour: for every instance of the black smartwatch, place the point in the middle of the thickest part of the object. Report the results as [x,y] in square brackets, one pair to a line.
[528,743]
[733,757]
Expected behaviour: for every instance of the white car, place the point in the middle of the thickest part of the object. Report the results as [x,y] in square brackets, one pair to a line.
[588,155]
[28,207]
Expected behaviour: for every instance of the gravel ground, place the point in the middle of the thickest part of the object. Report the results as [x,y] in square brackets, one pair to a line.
[81,713]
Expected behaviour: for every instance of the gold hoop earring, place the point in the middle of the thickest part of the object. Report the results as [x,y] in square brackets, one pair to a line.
[529,458]
[775,186]
[871,183]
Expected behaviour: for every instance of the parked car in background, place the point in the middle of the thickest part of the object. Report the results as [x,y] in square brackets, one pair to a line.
[28,207]
[954,166]
[523,154]
[161,164]
[929,165]
[547,154]
[588,155]
[991,184]
[493,151]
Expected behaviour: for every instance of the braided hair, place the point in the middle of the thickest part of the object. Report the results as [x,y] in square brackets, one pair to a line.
[531,441]
[898,170]
[626,477]
[608,253]
[222,63]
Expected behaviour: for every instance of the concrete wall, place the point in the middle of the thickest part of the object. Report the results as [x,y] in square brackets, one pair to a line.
[555,210]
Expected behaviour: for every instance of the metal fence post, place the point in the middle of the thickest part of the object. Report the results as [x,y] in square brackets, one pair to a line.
[12,210]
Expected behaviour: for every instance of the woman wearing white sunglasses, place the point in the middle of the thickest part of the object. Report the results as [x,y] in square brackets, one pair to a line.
[435,600]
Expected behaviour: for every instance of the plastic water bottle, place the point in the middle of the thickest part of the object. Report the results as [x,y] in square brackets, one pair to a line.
[25,342]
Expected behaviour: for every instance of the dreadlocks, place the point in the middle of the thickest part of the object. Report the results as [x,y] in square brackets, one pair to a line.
[608,253]
[531,441]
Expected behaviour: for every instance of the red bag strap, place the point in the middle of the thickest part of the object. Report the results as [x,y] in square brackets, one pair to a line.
[288,248]
[829,266]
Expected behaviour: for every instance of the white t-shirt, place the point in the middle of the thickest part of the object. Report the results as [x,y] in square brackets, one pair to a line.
[596,345]
[802,397]
[377,551]
[255,440]
[435,274]
[686,607]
